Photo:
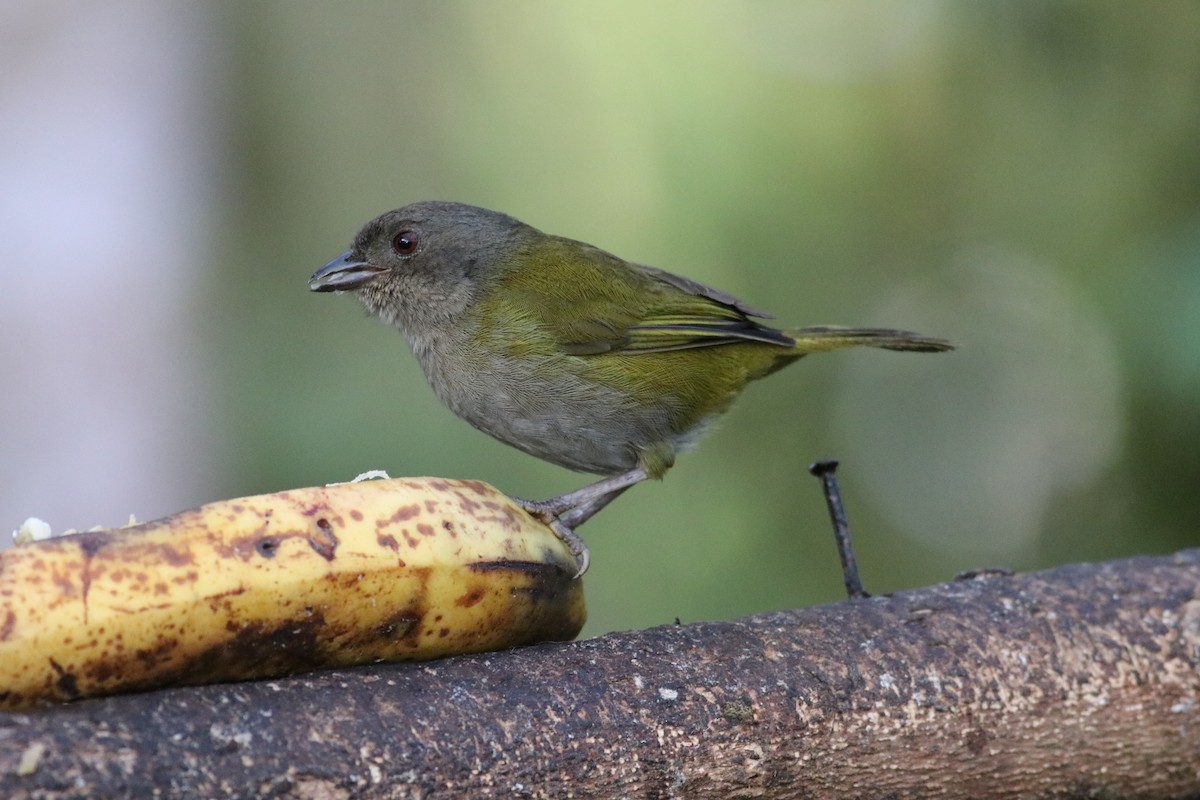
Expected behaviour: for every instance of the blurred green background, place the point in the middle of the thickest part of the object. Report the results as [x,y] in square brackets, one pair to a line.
[1023,178]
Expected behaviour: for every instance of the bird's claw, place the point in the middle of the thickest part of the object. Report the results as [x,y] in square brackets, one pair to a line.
[548,513]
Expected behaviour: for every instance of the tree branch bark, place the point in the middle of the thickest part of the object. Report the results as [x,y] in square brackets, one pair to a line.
[1082,681]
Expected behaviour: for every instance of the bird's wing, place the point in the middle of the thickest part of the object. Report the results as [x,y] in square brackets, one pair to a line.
[701,289]
[696,321]
[642,310]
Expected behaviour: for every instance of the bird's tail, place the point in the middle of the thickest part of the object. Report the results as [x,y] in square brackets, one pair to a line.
[819,338]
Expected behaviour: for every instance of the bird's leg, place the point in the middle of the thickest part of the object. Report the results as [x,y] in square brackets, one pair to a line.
[581,499]
[568,511]
[582,513]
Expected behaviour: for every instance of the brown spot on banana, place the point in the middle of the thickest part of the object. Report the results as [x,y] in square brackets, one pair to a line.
[267,546]
[65,682]
[323,540]
[405,513]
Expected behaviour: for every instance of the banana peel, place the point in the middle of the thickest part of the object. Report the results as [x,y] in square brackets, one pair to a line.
[255,587]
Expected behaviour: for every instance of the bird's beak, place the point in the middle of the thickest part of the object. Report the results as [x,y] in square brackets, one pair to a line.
[344,273]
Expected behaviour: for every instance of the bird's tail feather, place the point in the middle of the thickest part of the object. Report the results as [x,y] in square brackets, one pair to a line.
[819,338]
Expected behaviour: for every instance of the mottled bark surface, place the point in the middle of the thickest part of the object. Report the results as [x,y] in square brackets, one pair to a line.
[1082,681]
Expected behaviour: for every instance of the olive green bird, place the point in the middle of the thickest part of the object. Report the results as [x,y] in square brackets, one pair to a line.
[565,351]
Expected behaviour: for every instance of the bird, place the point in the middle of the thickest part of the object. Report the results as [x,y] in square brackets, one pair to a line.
[566,351]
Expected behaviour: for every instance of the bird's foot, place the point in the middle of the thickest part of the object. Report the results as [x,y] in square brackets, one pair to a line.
[548,511]
[567,512]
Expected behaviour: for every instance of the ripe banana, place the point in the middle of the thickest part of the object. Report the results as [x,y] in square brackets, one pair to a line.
[407,568]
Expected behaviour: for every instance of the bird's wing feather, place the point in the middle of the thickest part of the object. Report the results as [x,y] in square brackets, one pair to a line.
[701,290]
[642,310]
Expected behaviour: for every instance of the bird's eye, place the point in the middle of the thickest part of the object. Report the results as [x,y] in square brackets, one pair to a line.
[405,243]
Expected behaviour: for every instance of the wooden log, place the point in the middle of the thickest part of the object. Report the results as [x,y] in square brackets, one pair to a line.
[1082,681]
